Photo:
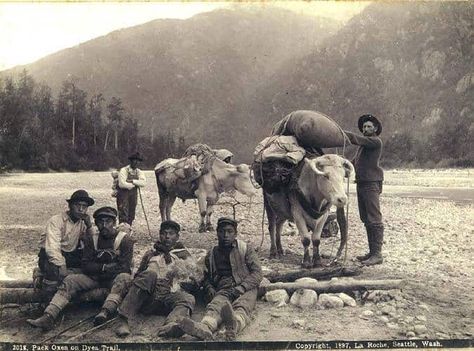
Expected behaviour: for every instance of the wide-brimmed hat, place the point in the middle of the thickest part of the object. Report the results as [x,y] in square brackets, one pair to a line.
[170,224]
[81,195]
[135,156]
[373,119]
[105,211]
[226,220]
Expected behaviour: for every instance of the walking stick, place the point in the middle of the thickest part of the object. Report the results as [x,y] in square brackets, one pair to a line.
[88,331]
[90,318]
[144,213]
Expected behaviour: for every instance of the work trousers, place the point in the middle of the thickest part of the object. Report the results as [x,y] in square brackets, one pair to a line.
[126,204]
[368,197]
[74,284]
[148,296]
[242,306]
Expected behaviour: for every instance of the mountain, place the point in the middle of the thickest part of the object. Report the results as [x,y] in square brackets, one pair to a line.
[225,77]
[192,75]
[409,63]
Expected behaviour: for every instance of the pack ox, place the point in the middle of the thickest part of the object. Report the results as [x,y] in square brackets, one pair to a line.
[194,183]
[318,186]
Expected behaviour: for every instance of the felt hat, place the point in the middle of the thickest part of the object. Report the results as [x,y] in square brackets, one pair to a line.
[135,156]
[371,118]
[81,195]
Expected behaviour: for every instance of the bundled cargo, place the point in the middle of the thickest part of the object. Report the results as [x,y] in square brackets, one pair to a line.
[275,158]
[313,130]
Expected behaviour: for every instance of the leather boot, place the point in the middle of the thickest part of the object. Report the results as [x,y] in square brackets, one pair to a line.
[171,327]
[230,322]
[123,329]
[377,242]
[45,322]
[370,240]
[199,330]
[102,317]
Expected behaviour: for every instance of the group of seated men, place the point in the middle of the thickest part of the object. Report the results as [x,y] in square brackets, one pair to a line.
[75,257]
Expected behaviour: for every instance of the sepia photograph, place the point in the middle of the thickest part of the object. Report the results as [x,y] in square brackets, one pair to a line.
[233,175]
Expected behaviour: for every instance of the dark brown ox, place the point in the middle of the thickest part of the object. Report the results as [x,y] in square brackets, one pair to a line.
[319,185]
[221,177]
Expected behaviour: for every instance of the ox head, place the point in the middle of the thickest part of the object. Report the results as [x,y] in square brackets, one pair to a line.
[331,171]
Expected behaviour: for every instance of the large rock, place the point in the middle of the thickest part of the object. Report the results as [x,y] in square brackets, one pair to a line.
[330,301]
[348,301]
[279,296]
[304,298]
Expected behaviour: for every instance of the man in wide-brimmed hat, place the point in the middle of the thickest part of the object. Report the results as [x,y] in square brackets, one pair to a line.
[130,178]
[231,280]
[369,178]
[106,262]
[61,245]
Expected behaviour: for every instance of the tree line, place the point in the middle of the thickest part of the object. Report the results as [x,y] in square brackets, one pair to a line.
[72,131]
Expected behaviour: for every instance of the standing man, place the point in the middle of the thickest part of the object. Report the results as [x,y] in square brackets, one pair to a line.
[151,290]
[231,280]
[130,178]
[106,262]
[369,178]
[61,243]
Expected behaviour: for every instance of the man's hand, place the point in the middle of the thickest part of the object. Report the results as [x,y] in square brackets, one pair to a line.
[210,293]
[87,221]
[109,267]
[237,291]
[63,272]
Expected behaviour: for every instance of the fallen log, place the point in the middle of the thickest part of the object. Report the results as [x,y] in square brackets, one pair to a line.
[29,295]
[339,285]
[27,283]
[321,273]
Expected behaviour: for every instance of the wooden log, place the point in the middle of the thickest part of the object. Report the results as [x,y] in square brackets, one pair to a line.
[317,273]
[27,283]
[29,295]
[339,285]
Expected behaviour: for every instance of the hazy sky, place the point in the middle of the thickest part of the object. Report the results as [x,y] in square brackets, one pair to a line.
[29,31]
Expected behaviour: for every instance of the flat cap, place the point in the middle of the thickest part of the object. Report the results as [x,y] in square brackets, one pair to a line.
[170,224]
[226,220]
[105,211]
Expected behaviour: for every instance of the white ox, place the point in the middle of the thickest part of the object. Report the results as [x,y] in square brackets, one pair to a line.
[319,185]
[193,184]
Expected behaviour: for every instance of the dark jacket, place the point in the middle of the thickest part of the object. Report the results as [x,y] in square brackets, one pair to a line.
[246,269]
[105,262]
[366,161]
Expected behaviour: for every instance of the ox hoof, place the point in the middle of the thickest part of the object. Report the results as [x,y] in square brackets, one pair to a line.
[281,253]
[307,265]
[317,264]
[202,228]
[209,227]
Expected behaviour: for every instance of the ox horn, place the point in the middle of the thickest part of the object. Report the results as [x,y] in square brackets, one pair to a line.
[348,167]
[312,164]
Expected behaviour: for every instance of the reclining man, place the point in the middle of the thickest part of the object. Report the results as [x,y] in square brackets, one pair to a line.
[152,288]
[106,262]
[231,280]
[61,243]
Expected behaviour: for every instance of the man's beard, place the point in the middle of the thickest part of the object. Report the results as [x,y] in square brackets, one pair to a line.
[107,233]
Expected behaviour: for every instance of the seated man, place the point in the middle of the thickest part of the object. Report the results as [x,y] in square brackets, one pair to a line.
[231,280]
[61,243]
[106,262]
[151,290]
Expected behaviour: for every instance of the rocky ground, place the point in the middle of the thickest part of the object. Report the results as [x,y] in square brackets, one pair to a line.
[428,243]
